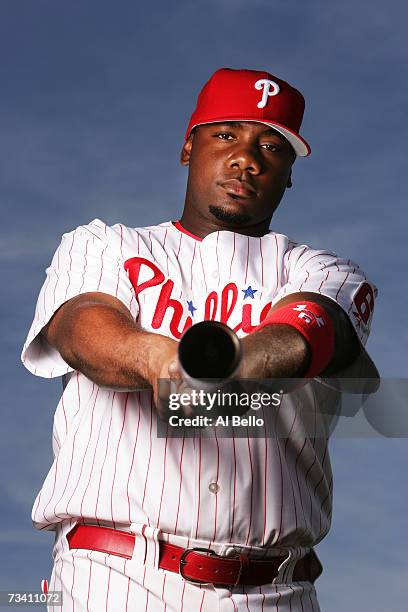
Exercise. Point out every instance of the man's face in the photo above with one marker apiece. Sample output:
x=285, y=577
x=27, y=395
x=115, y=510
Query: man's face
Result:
x=238, y=172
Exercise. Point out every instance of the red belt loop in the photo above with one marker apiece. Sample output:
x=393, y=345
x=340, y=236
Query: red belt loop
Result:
x=196, y=565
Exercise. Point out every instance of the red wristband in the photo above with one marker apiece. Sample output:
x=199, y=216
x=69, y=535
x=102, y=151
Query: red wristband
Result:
x=315, y=325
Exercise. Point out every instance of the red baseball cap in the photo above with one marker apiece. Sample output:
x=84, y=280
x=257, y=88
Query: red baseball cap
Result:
x=252, y=95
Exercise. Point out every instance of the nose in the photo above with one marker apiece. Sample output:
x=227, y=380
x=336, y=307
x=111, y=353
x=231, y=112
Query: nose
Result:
x=246, y=158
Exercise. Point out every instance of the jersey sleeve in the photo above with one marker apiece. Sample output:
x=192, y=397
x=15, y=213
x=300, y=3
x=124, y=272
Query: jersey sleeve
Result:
x=87, y=259
x=339, y=279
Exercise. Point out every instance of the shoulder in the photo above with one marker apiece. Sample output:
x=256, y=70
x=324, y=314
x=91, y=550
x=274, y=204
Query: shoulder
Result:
x=117, y=237
x=295, y=253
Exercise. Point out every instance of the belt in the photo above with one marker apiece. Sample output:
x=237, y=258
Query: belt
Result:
x=197, y=565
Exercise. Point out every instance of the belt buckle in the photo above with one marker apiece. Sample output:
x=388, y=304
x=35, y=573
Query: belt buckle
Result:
x=212, y=553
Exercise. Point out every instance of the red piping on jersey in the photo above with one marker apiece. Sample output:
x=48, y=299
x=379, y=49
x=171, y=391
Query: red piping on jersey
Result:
x=182, y=229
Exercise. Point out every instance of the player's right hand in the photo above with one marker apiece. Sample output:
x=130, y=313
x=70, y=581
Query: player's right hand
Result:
x=168, y=381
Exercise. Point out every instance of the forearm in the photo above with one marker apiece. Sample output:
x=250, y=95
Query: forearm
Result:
x=275, y=351
x=106, y=344
x=281, y=351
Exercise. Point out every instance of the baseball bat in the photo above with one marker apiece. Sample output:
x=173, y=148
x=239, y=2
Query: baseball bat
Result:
x=209, y=352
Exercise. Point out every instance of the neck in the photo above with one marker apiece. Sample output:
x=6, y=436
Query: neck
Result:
x=202, y=226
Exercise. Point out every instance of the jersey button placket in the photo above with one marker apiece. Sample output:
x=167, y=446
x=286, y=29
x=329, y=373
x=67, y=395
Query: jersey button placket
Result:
x=197, y=487
x=214, y=487
x=209, y=256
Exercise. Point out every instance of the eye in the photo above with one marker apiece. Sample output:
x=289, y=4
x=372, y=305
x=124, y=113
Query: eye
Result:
x=272, y=146
x=224, y=135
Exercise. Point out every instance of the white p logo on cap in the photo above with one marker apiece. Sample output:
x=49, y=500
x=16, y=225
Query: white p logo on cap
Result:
x=270, y=88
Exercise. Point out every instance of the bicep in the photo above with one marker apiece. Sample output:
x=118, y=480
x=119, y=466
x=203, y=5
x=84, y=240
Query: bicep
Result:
x=87, y=261
x=59, y=323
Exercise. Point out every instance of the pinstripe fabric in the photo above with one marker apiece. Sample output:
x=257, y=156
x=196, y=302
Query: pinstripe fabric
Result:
x=272, y=493
x=93, y=582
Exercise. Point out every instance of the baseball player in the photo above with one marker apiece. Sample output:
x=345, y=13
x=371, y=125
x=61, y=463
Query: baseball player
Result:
x=205, y=522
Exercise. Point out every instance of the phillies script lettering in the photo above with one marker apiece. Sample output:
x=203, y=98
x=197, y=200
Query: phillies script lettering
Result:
x=219, y=306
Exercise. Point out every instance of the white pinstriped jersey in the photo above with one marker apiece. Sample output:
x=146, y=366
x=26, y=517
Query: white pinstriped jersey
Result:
x=110, y=467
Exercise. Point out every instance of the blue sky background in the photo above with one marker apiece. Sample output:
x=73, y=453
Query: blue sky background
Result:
x=95, y=98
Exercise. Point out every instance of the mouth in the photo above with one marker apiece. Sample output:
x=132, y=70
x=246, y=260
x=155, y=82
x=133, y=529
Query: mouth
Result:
x=238, y=189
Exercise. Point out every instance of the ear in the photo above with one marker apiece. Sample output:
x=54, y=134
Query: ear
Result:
x=186, y=151
x=289, y=185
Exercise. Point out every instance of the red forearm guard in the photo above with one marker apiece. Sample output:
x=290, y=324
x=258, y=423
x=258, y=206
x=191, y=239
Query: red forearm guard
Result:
x=315, y=325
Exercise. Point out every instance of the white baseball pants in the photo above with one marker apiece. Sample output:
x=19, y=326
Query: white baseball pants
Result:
x=92, y=581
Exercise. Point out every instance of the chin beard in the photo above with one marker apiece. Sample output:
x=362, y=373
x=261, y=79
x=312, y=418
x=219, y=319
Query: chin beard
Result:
x=228, y=217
